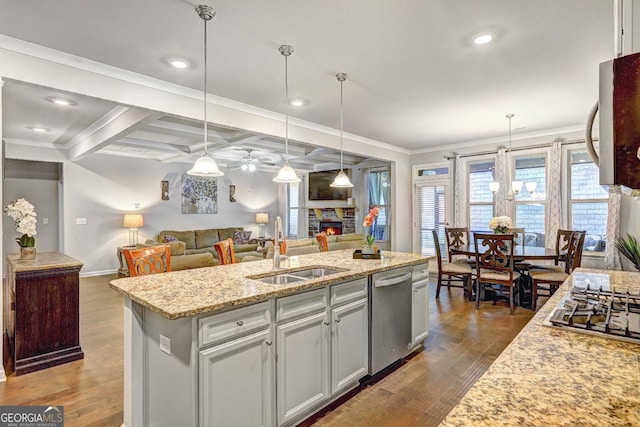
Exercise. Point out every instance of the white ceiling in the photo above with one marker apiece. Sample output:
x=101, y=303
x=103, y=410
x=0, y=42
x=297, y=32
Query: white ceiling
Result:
x=415, y=79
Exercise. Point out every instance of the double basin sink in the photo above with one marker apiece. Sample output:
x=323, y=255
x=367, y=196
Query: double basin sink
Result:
x=283, y=278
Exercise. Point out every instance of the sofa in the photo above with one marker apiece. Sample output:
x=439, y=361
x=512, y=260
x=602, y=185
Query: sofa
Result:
x=310, y=245
x=194, y=248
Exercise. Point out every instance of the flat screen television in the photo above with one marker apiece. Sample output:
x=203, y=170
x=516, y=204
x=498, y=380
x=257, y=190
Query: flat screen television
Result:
x=319, y=188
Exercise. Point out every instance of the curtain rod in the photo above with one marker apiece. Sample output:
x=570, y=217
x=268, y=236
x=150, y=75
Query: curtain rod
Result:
x=546, y=145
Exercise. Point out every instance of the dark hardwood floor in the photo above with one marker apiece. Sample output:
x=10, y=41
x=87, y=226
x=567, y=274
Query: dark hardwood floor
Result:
x=462, y=345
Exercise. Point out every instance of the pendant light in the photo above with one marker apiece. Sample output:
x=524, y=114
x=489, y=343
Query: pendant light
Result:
x=286, y=173
x=341, y=180
x=205, y=165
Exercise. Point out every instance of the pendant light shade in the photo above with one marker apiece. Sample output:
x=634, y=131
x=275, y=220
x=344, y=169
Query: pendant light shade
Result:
x=341, y=180
x=205, y=166
x=286, y=173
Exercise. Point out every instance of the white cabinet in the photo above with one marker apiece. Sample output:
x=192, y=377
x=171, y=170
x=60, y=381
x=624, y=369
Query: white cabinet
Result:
x=236, y=367
x=420, y=305
x=302, y=366
x=349, y=345
x=236, y=382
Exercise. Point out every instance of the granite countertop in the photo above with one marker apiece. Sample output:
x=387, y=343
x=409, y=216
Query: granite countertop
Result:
x=548, y=376
x=42, y=261
x=200, y=290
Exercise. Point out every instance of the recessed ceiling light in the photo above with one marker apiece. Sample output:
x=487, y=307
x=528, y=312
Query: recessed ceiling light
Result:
x=179, y=63
x=61, y=101
x=297, y=102
x=38, y=129
x=483, y=37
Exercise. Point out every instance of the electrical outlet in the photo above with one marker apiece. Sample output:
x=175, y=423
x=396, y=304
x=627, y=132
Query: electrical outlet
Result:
x=165, y=344
x=81, y=221
x=45, y=221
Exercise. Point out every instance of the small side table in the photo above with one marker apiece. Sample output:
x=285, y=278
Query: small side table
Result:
x=123, y=271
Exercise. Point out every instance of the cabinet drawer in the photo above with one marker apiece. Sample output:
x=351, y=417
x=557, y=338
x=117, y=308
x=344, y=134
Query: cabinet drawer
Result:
x=350, y=291
x=420, y=272
x=306, y=303
x=223, y=326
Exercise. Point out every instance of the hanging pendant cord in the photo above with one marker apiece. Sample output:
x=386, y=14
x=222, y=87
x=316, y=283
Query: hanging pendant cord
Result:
x=341, y=123
x=205, y=87
x=286, y=110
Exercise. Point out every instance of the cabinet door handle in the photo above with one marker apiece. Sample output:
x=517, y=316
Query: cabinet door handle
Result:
x=268, y=342
x=239, y=323
x=338, y=320
x=326, y=323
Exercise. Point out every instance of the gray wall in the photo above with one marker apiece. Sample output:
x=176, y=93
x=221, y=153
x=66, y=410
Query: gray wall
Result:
x=103, y=188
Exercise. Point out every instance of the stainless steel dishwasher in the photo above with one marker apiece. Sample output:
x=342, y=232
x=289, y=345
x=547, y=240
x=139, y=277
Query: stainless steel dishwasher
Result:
x=390, y=318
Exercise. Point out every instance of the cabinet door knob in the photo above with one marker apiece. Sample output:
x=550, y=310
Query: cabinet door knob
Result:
x=268, y=342
x=338, y=320
x=415, y=291
x=326, y=323
x=240, y=323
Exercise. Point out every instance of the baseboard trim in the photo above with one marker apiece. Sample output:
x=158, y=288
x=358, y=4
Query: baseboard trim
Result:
x=98, y=273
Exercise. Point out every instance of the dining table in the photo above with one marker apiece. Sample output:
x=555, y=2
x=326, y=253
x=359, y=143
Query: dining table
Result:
x=520, y=254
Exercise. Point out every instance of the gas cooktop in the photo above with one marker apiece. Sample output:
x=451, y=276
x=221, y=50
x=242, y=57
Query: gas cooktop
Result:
x=597, y=310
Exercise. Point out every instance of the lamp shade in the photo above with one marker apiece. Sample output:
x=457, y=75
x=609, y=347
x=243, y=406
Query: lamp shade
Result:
x=286, y=175
x=494, y=186
x=205, y=166
x=341, y=181
x=133, y=221
x=262, y=218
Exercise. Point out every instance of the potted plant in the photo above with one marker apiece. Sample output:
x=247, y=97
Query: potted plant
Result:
x=628, y=246
x=24, y=214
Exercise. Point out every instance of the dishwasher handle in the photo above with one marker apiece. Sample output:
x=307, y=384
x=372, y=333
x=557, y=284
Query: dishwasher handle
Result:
x=391, y=280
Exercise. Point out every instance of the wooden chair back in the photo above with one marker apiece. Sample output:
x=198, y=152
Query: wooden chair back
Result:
x=225, y=251
x=574, y=251
x=456, y=237
x=563, y=238
x=495, y=252
x=436, y=243
x=322, y=242
x=151, y=260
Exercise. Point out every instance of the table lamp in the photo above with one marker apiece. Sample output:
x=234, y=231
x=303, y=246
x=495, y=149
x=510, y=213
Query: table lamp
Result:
x=262, y=218
x=132, y=222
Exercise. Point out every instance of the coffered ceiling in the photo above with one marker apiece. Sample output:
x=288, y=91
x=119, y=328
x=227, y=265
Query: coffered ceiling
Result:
x=416, y=80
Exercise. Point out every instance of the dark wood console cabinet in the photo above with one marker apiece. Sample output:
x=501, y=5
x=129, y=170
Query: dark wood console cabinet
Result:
x=42, y=311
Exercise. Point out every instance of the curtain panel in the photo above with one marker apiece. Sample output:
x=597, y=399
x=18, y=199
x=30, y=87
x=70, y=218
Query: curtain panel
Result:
x=461, y=192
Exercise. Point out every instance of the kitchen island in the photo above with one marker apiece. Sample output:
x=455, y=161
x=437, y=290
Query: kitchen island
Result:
x=207, y=346
x=557, y=377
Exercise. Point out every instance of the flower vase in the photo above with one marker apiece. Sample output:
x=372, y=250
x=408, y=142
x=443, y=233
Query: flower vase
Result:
x=27, y=252
x=368, y=249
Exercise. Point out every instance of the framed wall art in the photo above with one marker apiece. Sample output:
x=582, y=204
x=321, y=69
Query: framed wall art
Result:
x=199, y=195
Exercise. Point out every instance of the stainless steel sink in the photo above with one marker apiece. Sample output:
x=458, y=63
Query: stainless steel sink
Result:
x=280, y=279
x=312, y=273
x=296, y=276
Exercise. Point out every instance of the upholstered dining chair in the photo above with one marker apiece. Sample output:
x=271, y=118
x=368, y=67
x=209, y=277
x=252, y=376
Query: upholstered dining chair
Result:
x=563, y=237
x=553, y=278
x=322, y=242
x=519, y=239
x=459, y=271
x=225, y=251
x=494, y=266
x=150, y=260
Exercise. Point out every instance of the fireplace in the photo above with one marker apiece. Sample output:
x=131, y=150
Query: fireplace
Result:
x=331, y=227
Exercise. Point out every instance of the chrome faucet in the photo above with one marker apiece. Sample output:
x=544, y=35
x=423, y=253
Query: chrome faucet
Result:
x=278, y=237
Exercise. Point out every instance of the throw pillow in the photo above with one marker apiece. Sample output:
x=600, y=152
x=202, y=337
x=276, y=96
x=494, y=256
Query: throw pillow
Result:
x=168, y=239
x=241, y=237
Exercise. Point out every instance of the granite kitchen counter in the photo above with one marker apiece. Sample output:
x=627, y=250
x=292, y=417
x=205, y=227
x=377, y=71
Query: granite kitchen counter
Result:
x=186, y=293
x=553, y=377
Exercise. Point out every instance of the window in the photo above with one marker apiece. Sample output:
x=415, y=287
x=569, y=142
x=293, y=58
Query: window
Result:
x=293, y=209
x=588, y=202
x=379, y=185
x=480, y=197
x=432, y=214
x=530, y=207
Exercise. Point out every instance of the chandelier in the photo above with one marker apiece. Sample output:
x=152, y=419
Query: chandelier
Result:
x=516, y=186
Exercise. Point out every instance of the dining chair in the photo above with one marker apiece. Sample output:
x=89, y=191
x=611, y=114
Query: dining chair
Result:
x=563, y=237
x=554, y=278
x=323, y=244
x=494, y=266
x=456, y=237
x=225, y=251
x=149, y=260
x=457, y=271
x=519, y=240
